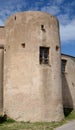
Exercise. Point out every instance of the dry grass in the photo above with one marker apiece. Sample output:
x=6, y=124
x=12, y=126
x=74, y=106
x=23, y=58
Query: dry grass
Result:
x=13, y=125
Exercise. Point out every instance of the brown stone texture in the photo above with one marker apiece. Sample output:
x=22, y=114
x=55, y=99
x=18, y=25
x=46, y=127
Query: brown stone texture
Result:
x=68, y=82
x=1, y=80
x=32, y=91
x=2, y=36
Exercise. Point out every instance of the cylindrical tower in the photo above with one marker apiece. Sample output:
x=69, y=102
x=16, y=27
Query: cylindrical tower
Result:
x=32, y=81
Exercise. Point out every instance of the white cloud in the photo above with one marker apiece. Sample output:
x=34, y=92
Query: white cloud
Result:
x=58, y=2
x=10, y=7
x=1, y=23
x=64, y=19
x=67, y=32
x=67, y=22
x=51, y=9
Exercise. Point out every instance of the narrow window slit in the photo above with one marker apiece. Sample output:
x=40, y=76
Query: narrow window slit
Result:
x=23, y=45
x=15, y=17
x=63, y=65
x=42, y=28
x=57, y=48
x=5, y=50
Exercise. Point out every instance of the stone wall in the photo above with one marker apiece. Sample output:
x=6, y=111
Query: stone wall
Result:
x=2, y=36
x=68, y=80
x=32, y=91
x=2, y=42
x=1, y=80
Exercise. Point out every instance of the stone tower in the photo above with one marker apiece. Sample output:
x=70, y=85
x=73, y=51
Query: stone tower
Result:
x=32, y=68
x=2, y=41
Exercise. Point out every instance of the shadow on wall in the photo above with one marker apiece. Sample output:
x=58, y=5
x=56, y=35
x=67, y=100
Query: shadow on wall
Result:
x=67, y=97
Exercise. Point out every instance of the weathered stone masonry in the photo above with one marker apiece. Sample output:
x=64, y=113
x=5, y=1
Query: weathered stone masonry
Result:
x=30, y=69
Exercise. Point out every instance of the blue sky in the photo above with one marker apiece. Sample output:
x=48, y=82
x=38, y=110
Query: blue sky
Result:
x=64, y=10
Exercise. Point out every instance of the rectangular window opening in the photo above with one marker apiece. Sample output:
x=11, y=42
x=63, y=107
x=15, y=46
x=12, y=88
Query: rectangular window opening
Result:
x=44, y=55
x=63, y=65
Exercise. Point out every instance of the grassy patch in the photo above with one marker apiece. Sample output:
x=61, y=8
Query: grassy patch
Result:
x=13, y=125
x=71, y=116
x=29, y=126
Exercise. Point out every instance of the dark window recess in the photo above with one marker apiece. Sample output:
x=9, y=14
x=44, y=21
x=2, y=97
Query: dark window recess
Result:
x=15, y=17
x=63, y=65
x=57, y=48
x=73, y=84
x=5, y=50
x=42, y=28
x=44, y=55
x=23, y=45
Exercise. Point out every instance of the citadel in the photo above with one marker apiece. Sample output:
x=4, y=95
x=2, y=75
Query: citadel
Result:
x=36, y=81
